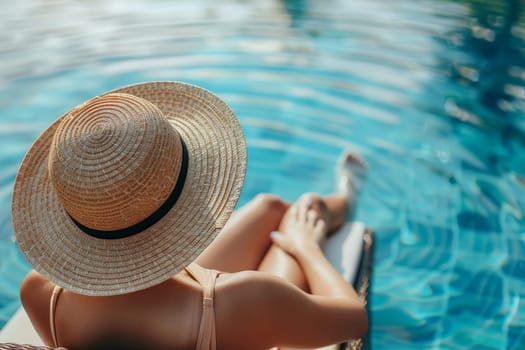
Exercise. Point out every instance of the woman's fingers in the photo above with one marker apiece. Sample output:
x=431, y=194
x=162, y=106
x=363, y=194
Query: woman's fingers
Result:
x=302, y=213
x=321, y=228
x=312, y=217
x=281, y=241
x=293, y=211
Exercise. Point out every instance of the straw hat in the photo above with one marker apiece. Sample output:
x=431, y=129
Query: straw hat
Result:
x=125, y=190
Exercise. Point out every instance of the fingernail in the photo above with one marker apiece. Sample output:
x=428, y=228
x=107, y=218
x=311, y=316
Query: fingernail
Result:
x=309, y=202
x=274, y=234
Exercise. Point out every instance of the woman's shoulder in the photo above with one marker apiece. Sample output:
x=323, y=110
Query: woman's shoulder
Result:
x=35, y=295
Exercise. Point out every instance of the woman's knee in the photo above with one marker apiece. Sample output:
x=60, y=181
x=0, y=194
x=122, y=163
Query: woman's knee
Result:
x=310, y=198
x=270, y=202
x=314, y=201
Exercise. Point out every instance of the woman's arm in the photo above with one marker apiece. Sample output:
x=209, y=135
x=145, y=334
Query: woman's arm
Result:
x=261, y=311
x=328, y=284
x=322, y=277
x=287, y=316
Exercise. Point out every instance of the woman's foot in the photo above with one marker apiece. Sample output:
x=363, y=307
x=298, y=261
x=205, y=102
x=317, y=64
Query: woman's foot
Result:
x=351, y=174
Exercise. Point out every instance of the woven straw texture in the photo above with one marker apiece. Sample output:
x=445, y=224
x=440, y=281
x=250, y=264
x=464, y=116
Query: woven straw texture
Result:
x=108, y=156
x=110, y=162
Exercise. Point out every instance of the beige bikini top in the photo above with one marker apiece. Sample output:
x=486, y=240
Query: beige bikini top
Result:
x=206, y=278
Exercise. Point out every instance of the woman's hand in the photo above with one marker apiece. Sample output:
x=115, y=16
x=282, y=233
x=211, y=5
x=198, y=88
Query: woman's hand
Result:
x=304, y=230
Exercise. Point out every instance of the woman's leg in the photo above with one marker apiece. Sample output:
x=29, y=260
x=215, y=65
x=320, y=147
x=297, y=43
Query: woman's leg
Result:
x=334, y=209
x=245, y=238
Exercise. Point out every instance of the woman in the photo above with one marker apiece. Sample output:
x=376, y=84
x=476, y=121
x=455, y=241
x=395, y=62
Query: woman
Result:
x=122, y=207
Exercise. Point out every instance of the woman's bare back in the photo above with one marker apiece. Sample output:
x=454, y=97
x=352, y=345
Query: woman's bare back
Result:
x=164, y=316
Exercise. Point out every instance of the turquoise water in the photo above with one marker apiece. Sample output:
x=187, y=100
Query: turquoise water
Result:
x=431, y=93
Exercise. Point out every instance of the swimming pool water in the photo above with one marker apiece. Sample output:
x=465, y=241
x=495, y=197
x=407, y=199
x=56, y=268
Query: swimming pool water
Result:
x=431, y=93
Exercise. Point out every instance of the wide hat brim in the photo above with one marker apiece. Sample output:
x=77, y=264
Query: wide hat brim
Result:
x=58, y=249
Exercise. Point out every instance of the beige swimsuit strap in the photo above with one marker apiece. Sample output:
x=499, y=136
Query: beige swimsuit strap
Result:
x=52, y=308
x=206, y=339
